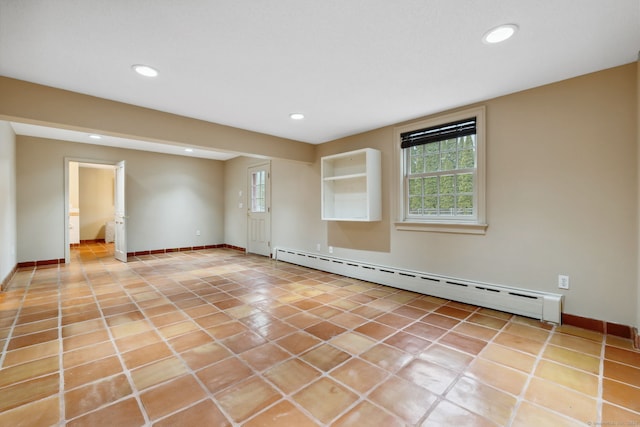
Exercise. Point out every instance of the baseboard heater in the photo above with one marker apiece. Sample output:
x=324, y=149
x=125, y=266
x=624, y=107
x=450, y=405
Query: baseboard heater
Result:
x=538, y=305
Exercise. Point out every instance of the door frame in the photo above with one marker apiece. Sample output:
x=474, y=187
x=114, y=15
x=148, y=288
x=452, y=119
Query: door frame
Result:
x=67, y=160
x=267, y=166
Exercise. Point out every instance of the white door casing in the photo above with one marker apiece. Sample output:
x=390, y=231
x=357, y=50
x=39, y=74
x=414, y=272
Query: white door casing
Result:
x=120, y=245
x=259, y=209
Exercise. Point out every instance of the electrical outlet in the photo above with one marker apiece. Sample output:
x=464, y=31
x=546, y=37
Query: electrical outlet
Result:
x=563, y=281
x=330, y=249
x=197, y=232
x=318, y=247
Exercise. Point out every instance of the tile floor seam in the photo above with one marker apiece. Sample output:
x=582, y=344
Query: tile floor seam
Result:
x=414, y=357
x=14, y=323
x=175, y=353
x=600, y=393
x=362, y=396
x=195, y=376
x=443, y=396
x=118, y=353
x=323, y=374
x=521, y=397
x=61, y=403
x=540, y=357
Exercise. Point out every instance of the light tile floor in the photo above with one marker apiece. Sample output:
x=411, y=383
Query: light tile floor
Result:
x=219, y=338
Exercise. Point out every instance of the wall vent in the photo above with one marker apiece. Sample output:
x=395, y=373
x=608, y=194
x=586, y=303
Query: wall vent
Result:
x=538, y=305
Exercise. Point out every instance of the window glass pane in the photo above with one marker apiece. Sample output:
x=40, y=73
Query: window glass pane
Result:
x=415, y=205
x=466, y=159
x=467, y=142
x=430, y=205
x=258, y=202
x=432, y=163
x=448, y=160
x=447, y=184
x=431, y=185
x=465, y=183
x=465, y=205
x=446, y=205
x=417, y=150
x=449, y=145
x=415, y=187
x=432, y=147
x=417, y=164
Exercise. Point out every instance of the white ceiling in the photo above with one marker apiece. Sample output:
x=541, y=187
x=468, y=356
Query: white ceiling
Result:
x=348, y=65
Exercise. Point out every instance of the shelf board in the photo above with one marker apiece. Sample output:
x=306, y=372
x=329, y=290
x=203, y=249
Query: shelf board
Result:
x=354, y=219
x=351, y=176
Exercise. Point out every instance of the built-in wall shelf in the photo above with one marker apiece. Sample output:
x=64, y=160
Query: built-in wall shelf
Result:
x=351, y=186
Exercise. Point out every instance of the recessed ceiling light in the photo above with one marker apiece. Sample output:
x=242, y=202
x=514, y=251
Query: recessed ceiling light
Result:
x=296, y=116
x=500, y=33
x=145, y=70
x=94, y=136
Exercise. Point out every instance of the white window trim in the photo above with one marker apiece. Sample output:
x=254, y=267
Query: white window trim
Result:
x=476, y=226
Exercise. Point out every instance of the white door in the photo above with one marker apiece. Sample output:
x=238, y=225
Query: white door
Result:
x=259, y=210
x=120, y=250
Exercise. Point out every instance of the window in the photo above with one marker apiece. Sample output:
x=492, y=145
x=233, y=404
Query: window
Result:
x=442, y=180
x=258, y=200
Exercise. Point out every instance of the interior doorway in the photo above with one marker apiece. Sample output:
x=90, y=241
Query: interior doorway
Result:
x=92, y=203
x=259, y=209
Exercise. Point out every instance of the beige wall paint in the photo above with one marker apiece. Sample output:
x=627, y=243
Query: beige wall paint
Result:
x=8, y=238
x=235, y=200
x=32, y=103
x=638, y=175
x=168, y=197
x=74, y=185
x=562, y=198
x=295, y=198
x=96, y=192
x=295, y=213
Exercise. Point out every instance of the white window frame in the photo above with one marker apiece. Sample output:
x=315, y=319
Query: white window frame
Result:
x=474, y=225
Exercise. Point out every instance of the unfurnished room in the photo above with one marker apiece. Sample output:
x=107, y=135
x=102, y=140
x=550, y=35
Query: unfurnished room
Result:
x=319, y=213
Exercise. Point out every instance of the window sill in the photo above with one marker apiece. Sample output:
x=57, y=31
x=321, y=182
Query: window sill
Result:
x=442, y=227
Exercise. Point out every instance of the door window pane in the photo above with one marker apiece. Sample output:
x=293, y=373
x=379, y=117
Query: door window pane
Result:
x=258, y=180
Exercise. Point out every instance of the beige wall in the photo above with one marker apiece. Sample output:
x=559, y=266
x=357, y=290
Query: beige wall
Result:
x=295, y=213
x=74, y=185
x=96, y=192
x=32, y=103
x=168, y=197
x=8, y=237
x=562, y=195
x=638, y=175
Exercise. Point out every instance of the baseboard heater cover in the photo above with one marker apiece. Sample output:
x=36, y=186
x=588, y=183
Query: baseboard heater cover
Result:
x=535, y=304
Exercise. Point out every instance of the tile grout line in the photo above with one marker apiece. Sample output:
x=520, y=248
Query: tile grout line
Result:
x=323, y=374
x=211, y=395
x=521, y=397
x=12, y=328
x=125, y=371
x=61, y=403
x=600, y=395
x=440, y=397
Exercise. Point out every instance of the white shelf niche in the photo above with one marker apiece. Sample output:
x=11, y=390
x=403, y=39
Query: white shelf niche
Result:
x=351, y=186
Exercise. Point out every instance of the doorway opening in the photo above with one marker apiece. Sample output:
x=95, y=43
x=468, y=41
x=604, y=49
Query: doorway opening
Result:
x=92, y=200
